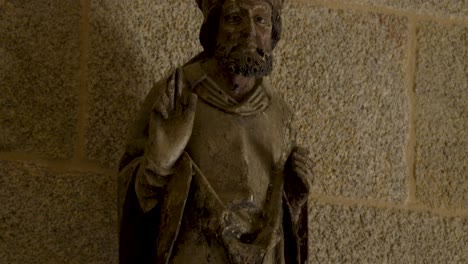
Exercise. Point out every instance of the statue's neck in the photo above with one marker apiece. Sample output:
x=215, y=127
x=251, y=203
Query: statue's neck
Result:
x=237, y=86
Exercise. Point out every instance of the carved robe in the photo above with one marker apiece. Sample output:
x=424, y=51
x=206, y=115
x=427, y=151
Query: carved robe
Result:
x=233, y=197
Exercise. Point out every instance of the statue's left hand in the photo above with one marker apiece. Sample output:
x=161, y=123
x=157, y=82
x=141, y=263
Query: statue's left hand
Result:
x=301, y=163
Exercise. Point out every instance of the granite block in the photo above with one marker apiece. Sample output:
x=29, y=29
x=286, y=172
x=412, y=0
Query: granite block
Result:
x=56, y=217
x=449, y=8
x=133, y=44
x=343, y=73
x=342, y=234
x=39, y=76
x=442, y=116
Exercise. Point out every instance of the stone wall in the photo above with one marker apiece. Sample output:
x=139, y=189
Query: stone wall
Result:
x=380, y=90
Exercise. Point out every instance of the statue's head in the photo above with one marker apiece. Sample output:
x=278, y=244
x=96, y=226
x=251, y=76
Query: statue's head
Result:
x=241, y=34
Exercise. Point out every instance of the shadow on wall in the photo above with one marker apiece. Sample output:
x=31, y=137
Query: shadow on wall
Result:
x=132, y=45
x=39, y=77
x=61, y=214
x=49, y=213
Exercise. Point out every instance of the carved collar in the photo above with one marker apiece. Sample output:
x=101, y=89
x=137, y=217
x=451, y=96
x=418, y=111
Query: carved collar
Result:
x=206, y=89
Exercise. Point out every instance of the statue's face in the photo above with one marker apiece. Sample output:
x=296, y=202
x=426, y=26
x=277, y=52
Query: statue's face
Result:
x=243, y=43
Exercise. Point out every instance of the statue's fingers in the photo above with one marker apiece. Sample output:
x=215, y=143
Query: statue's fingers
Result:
x=301, y=168
x=170, y=94
x=304, y=155
x=298, y=166
x=296, y=160
x=303, y=161
x=302, y=171
x=192, y=102
x=307, y=164
x=160, y=107
x=188, y=114
x=302, y=151
x=301, y=157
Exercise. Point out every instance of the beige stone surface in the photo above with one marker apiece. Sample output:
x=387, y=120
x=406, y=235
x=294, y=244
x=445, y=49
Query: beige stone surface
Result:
x=39, y=77
x=132, y=45
x=56, y=217
x=448, y=8
x=342, y=234
x=343, y=73
x=442, y=116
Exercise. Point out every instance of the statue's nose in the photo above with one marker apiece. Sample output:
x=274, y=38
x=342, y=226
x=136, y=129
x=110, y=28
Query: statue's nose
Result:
x=249, y=30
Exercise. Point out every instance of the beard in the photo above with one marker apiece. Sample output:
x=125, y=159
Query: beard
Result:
x=242, y=61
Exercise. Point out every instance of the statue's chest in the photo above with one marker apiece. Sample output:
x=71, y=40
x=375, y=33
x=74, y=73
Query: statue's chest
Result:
x=238, y=154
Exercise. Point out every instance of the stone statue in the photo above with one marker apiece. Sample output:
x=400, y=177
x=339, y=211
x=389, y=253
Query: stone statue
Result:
x=211, y=172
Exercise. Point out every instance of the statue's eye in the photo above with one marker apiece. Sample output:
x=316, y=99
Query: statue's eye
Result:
x=260, y=20
x=232, y=19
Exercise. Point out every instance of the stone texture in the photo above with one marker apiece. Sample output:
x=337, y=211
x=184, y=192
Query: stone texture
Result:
x=449, y=8
x=39, y=76
x=442, y=116
x=132, y=45
x=343, y=73
x=56, y=217
x=341, y=234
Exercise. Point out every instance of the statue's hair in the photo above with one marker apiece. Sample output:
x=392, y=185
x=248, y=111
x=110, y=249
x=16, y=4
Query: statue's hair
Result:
x=209, y=29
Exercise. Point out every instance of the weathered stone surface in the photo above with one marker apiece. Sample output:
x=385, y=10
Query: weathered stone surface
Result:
x=132, y=45
x=343, y=73
x=39, y=76
x=442, y=116
x=341, y=234
x=450, y=8
x=56, y=217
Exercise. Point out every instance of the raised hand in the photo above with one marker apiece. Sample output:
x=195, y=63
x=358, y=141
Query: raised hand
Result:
x=170, y=127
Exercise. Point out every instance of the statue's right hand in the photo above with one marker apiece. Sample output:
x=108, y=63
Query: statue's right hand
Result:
x=170, y=128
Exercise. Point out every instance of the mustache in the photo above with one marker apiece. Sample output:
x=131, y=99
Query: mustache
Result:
x=246, y=63
x=225, y=49
x=240, y=48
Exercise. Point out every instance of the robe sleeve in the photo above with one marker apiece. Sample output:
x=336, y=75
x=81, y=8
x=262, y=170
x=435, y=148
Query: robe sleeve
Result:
x=133, y=160
x=142, y=186
x=137, y=229
x=138, y=160
x=140, y=237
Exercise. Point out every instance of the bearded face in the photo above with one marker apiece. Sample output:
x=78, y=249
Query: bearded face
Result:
x=243, y=44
